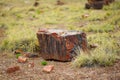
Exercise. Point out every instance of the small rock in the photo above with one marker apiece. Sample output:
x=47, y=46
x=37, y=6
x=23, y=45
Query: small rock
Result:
x=93, y=46
x=36, y=4
x=33, y=55
x=13, y=69
x=60, y=2
x=18, y=51
x=31, y=65
x=48, y=68
x=30, y=55
x=22, y=59
x=85, y=16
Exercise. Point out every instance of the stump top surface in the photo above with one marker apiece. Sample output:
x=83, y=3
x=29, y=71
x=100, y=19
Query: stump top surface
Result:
x=59, y=32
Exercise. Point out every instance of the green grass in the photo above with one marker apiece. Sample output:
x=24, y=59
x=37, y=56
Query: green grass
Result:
x=44, y=63
x=105, y=54
x=17, y=55
x=21, y=20
x=95, y=59
x=19, y=38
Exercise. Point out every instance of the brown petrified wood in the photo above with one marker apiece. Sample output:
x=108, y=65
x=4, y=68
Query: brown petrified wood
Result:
x=13, y=69
x=59, y=2
x=97, y=4
x=61, y=45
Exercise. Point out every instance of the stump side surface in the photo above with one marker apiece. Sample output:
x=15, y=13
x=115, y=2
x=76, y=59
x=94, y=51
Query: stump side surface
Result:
x=60, y=44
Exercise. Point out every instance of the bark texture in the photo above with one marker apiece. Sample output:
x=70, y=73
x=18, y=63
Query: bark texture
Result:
x=61, y=45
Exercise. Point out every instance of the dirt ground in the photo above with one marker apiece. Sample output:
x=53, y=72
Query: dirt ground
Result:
x=61, y=71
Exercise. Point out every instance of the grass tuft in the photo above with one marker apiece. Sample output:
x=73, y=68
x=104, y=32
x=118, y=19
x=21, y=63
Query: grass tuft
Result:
x=44, y=63
x=98, y=57
x=106, y=53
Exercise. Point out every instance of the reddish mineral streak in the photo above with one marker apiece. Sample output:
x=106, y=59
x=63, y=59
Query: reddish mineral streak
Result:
x=60, y=44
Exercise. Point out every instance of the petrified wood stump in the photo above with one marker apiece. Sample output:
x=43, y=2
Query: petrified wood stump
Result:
x=97, y=4
x=61, y=45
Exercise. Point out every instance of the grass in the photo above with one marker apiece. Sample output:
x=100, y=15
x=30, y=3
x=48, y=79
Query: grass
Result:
x=19, y=39
x=17, y=55
x=21, y=20
x=104, y=55
x=95, y=59
x=44, y=63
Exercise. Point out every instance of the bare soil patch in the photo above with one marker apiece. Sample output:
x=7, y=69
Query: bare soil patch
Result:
x=61, y=71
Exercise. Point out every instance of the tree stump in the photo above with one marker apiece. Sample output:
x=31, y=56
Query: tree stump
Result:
x=97, y=4
x=61, y=45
